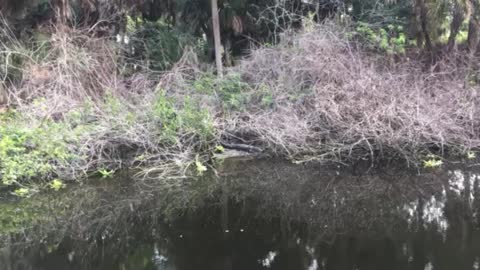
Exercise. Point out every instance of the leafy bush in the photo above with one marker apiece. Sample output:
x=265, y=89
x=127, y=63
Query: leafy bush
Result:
x=30, y=153
x=189, y=119
x=164, y=113
x=196, y=120
x=390, y=39
x=231, y=90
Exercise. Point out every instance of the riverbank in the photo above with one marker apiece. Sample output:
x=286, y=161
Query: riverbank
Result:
x=317, y=96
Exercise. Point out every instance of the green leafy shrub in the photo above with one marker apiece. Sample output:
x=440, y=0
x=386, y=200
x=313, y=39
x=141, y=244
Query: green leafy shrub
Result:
x=164, y=115
x=189, y=118
x=31, y=153
x=391, y=39
x=104, y=173
x=197, y=120
x=56, y=184
x=206, y=84
x=231, y=90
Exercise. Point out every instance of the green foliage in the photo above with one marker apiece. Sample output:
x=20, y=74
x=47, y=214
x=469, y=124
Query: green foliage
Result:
x=112, y=104
x=174, y=120
x=267, y=100
x=22, y=192
x=391, y=39
x=164, y=114
x=231, y=90
x=439, y=16
x=219, y=149
x=234, y=94
x=57, y=184
x=104, y=173
x=194, y=119
x=206, y=84
x=30, y=153
x=200, y=168
x=265, y=96
x=35, y=152
x=462, y=37
x=157, y=43
x=432, y=161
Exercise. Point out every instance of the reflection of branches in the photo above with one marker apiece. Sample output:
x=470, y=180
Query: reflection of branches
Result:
x=328, y=200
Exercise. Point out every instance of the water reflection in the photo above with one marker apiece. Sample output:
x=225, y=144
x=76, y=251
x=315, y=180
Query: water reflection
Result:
x=271, y=215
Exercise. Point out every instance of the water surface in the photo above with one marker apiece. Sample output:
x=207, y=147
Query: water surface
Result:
x=261, y=215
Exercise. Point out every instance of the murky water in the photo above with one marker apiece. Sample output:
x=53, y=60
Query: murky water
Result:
x=264, y=215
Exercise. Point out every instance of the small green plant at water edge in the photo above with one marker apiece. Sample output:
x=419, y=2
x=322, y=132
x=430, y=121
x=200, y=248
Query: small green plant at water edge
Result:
x=199, y=166
x=57, y=184
x=432, y=162
x=219, y=149
x=104, y=173
x=22, y=192
x=471, y=155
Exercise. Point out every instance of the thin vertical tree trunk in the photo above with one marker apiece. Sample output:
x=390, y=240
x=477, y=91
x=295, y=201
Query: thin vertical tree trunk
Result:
x=423, y=24
x=474, y=26
x=217, y=38
x=458, y=17
x=3, y=96
x=61, y=10
x=227, y=51
x=473, y=38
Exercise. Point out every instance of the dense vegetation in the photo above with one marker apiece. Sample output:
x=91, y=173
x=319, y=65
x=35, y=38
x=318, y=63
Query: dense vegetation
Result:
x=88, y=87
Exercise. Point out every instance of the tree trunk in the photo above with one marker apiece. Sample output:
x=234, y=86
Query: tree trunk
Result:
x=217, y=38
x=424, y=24
x=62, y=10
x=474, y=26
x=228, y=52
x=421, y=25
x=473, y=38
x=3, y=96
x=458, y=17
